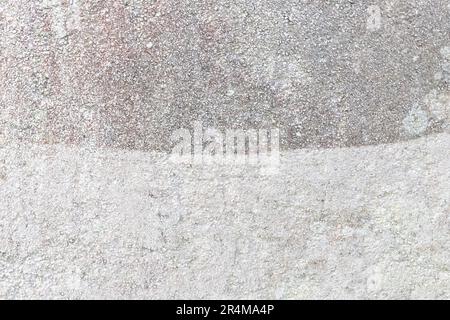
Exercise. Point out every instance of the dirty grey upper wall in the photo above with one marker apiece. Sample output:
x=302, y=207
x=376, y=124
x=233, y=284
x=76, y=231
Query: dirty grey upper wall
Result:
x=126, y=74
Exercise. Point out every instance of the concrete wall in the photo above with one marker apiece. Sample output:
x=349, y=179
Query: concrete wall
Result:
x=91, y=205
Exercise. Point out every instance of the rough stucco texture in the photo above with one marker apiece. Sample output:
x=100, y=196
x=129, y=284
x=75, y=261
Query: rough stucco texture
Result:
x=92, y=207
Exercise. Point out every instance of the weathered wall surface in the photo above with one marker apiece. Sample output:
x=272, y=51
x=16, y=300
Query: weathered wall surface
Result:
x=368, y=222
x=127, y=73
x=92, y=207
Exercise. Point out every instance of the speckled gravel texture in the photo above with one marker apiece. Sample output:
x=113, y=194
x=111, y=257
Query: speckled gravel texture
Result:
x=92, y=207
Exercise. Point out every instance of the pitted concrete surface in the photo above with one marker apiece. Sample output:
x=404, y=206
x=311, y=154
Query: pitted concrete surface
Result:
x=368, y=222
x=91, y=206
x=128, y=73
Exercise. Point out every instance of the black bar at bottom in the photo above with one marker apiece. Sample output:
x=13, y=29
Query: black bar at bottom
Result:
x=223, y=309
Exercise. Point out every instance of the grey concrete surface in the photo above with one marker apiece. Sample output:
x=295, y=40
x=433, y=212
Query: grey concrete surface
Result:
x=92, y=207
x=367, y=222
x=127, y=73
